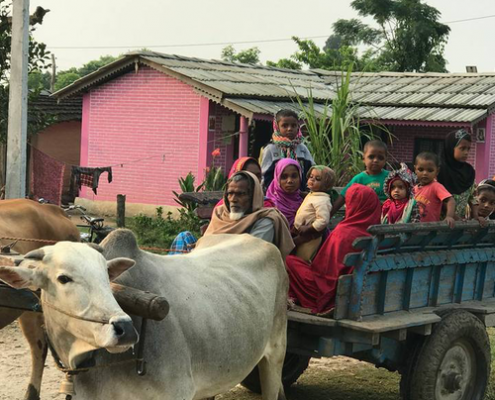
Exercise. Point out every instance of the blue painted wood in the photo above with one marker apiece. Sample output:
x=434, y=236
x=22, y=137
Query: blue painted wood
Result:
x=408, y=289
x=369, y=299
x=434, y=286
x=446, y=284
x=469, y=287
x=489, y=288
x=386, y=262
x=381, y=294
x=480, y=281
x=395, y=290
x=358, y=279
x=459, y=283
x=420, y=288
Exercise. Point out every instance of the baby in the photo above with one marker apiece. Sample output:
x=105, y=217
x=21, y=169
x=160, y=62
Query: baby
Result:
x=313, y=215
x=400, y=207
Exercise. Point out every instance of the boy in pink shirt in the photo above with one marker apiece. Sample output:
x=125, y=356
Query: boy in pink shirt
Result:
x=431, y=195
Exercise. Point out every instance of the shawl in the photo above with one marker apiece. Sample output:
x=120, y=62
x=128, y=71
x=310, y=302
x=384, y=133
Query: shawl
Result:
x=287, y=203
x=287, y=147
x=394, y=210
x=221, y=222
x=239, y=165
x=456, y=176
x=315, y=285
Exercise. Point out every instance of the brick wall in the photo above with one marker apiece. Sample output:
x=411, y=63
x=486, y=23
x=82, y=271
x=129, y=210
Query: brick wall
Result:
x=402, y=147
x=143, y=115
x=217, y=139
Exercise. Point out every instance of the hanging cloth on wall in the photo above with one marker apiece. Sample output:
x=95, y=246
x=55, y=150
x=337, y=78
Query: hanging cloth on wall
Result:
x=85, y=176
x=47, y=178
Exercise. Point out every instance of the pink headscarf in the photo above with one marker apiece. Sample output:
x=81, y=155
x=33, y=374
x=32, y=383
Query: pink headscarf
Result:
x=287, y=203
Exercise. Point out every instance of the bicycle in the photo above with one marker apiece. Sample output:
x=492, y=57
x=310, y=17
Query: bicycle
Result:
x=96, y=228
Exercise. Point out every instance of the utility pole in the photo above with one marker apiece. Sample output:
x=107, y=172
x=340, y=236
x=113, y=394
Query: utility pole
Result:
x=18, y=94
x=54, y=74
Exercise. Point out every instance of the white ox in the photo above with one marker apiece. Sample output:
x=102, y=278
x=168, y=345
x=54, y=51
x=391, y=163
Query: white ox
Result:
x=227, y=315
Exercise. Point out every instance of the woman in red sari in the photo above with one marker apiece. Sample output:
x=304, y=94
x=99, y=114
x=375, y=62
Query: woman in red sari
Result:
x=314, y=285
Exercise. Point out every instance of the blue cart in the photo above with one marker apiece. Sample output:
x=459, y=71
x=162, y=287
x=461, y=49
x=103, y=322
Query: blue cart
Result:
x=418, y=302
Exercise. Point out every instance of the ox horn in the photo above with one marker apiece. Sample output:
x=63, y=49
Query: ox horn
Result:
x=35, y=255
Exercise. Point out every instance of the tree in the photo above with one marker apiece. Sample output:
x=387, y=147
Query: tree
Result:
x=248, y=56
x=337, y=55
x=65, y=78
x=38, y=62
x=410, y=36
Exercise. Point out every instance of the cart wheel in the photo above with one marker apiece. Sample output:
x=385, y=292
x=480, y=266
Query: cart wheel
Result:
x=294, y=366
x=453, y=363
x=411, y=358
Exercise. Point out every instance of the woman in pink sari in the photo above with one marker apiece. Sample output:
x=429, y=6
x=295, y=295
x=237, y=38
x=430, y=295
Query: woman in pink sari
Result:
x=313, y=285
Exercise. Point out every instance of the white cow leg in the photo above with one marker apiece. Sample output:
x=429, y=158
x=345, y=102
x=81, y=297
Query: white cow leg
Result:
x=270, y=368
x=31, y=325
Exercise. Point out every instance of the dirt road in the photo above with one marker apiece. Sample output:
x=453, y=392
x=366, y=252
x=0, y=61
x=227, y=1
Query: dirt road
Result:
x=335, y=379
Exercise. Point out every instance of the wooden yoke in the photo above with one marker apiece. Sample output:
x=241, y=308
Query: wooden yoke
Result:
x=132, y=301
x=138, y=302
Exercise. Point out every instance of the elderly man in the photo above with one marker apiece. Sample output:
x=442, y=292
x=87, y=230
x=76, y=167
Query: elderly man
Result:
x=243, y=212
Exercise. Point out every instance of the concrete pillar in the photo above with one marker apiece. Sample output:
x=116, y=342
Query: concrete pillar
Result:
x=243, y=137
x=17, y=130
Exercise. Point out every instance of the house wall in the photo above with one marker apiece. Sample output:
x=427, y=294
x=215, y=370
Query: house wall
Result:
x=146, y=125
x=402, y=146
x=62, y=142
x=226, y=141
x=490, y=146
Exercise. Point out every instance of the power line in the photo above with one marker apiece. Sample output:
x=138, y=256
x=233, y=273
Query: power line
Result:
x=184, y=45
x=225, y=43
x=469, y=19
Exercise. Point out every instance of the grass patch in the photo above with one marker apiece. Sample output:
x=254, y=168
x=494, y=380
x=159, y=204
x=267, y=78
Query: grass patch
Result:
x=160, y=231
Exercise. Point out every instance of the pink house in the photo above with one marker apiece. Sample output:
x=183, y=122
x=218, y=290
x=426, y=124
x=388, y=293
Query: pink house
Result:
x=156, y=117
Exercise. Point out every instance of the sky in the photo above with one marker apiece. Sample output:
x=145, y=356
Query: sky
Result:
x=83, y=30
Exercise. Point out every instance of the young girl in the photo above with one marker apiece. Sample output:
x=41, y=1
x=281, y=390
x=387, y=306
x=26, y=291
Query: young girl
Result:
x=286, y=143
x=456, y=174
x=400, y=207
x=284, y=190
x=430, y=194
x=313, y=215
x=485, y=200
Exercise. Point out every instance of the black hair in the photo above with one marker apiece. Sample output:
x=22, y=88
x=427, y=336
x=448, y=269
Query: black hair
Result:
x=462, y=134
x=427, y=156
x=375, y=143
x=285, y=112
x=486, y=184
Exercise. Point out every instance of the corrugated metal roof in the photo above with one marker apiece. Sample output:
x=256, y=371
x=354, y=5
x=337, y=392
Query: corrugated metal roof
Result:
x=391, y=95
x=427, y=114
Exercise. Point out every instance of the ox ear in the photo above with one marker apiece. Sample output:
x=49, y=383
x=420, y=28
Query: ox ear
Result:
x=21, y=277
x=118, y=266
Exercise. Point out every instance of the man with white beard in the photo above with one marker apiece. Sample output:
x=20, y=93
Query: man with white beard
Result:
x=243, y=212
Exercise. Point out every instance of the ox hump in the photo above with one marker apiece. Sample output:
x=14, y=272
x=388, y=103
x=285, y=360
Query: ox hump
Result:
x=120, y=243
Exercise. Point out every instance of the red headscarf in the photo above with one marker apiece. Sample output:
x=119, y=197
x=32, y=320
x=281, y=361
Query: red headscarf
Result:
x=314, y=285
x=238, y=166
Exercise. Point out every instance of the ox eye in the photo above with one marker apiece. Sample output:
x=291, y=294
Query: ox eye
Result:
x=63, y=279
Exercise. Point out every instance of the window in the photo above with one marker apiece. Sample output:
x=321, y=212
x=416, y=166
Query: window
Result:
x=431, y=145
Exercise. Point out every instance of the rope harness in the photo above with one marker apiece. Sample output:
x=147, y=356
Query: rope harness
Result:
x=46, y=241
